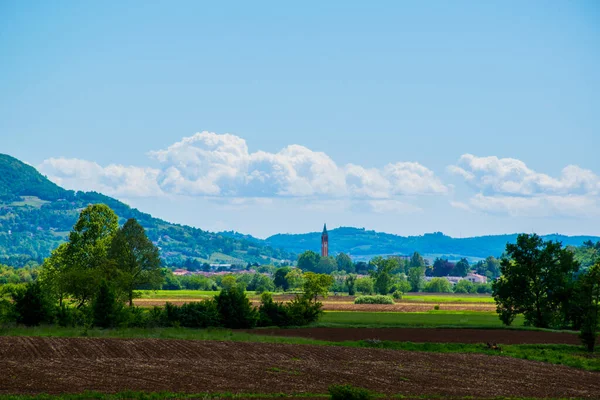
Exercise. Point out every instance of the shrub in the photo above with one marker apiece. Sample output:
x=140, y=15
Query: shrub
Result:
x=31, y=305
x=377, y=299
x=436, y=307
x=105, y=307
x=201, y=314
x=438, y=285
x=69, y=316
x=303, y=311
x=271, y=313
x=397, y=295
x=349, y=392
x=235, y=309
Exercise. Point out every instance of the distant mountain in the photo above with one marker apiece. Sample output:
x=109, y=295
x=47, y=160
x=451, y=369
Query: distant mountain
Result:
x=36, y=215
x=363, y=244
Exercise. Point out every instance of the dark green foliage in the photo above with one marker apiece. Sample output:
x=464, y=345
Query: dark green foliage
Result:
x=308, y=261
x=105, y=307
x=351, y=284
x=344, y=263
x=19, y=179
x=538, y=281
x=272, y=313
x=589, y=306
x=303, y=311
x=279, y=278
x=31, y=305
x=349, y=392
x=461, y=268
x=235, y=309
x=201, y=314
x=383, y=273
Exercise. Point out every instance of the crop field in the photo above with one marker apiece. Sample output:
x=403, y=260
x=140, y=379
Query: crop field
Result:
x=415, y=319
x=33, y=365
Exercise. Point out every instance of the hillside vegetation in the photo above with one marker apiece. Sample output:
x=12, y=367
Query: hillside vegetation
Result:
x=36, y=216
x=361, y=243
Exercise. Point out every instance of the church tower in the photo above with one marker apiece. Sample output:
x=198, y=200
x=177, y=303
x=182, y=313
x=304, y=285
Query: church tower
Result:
x=324, y=242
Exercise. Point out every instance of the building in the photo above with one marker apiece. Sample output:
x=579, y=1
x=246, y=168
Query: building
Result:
x=476, y=278
x=324, y=242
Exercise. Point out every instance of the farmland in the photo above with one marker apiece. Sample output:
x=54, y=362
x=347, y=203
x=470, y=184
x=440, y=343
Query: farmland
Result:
x=72, y=365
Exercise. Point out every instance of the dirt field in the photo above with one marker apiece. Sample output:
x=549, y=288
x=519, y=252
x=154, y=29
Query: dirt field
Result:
x=339, y=305
x=68, y=365
x=427, y=335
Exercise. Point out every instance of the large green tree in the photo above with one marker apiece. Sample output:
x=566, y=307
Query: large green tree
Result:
x=344, y=263
x=383, y=273
x=589, y=306
x=316, y=284
x=86, y=253
x=537, y=280
x=135, y=258
x=462, y=267
x=308, y=261
x=416, y=278
x=279, y=278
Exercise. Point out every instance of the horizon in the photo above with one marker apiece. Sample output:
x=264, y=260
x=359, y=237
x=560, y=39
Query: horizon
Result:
x=473, y=119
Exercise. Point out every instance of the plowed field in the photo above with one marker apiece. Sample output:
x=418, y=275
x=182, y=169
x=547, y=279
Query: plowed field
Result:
x=427, y=335
x=67, y=365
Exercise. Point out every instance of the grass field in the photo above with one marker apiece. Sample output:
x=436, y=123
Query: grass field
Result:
x=463, y=319
x=448, y=298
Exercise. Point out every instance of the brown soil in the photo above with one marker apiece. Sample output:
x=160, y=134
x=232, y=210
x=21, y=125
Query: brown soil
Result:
x=427, y=335
x=339, y=305
x=71, y=365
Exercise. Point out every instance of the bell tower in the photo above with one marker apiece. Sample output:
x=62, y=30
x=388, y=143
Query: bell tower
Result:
x=324, y=242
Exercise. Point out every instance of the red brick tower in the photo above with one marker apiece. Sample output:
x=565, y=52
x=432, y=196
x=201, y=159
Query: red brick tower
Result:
x=324, y=242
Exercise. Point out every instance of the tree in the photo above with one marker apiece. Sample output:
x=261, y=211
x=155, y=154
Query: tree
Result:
x=105, y=306
x=229, y=282
x=461, y=268
x=416, y=261
x=316, y=284
x=87, y=250
x=464, y=286
x=383, y=273
x=351, y=283
x=308, y=260
x=326, y=265
x=344, y=263
x=261, y=283
x=537, y=280
x=31, y=305
x=438, y=285
x=135, y=258
x=364, y=285
x=361, y=267
x=416, y=278
x=235, y=309
x=52, y=274
x=442, y=267
x=295, y=278
x=279, y=278
x=590, y=306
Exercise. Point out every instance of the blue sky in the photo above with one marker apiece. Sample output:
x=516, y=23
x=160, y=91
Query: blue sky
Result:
x=465, y=117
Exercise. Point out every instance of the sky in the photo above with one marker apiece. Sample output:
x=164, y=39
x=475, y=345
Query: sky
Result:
x=465, y=117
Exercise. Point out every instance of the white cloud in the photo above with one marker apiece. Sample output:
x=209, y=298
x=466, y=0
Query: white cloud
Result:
x=221, y=166
x=114, y=180
x=508, y=186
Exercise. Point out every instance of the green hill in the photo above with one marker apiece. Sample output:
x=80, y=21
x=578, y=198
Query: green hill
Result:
x=364, y=244
x=36, y=215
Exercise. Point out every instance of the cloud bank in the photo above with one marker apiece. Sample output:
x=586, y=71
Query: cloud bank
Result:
x=220, y=166
x=508, y=186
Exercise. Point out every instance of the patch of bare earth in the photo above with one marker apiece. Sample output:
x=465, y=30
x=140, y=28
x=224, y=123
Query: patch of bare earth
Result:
x=427, y=335
x=71, y=365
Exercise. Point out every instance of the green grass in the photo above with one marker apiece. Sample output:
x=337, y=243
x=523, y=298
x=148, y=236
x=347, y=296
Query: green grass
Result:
x=448, y=298
x=187, y=294
x=443, y=318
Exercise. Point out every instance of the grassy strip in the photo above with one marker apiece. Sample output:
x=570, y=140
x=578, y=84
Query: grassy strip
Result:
x=572, y=356
x=429, y=319
x=448, y=298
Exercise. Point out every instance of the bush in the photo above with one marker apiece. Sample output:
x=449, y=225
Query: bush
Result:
x=303, y=311
x=377, y=299
x=235, y=309
x=271, y=313
x=438, y=285
x=30, y=305
x=105, y=307
x=349, y=392
x=397, y=295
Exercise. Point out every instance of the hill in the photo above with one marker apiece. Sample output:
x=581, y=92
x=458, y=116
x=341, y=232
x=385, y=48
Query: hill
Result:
x=362, y=244
x=36, y=215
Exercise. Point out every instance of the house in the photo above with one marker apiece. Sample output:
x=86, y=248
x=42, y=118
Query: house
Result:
x=476, y=278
